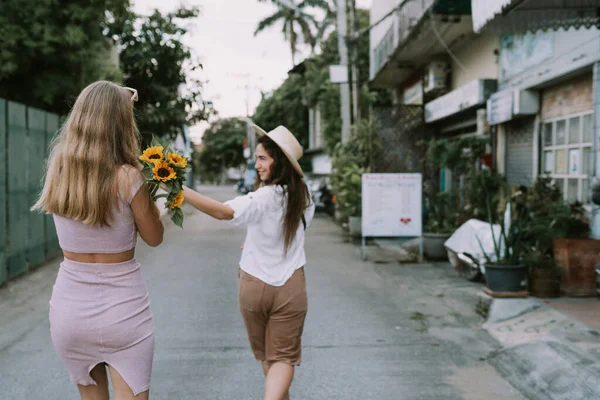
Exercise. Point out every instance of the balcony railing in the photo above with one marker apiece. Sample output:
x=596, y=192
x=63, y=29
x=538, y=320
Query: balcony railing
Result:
x=409, y=16
x=383, y=50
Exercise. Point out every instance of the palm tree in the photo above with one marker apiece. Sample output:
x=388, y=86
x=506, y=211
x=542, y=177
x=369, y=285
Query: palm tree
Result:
x=296, y=23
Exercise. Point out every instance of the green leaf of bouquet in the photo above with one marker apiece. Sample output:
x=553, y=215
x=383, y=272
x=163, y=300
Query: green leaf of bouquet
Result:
x=155, y=141
x=177, y=186
x=147, y=172
x=177, y=217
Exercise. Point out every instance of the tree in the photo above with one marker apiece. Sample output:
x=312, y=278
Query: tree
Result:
x=327, y=6
x=285, y=106
x=155, y=61
x=51, y=49
x=223, y=147
x=293, y=21
x=318, y=90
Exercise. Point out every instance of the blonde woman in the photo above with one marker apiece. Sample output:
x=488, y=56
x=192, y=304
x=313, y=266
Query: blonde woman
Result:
x=100, y=314
x=272, y=287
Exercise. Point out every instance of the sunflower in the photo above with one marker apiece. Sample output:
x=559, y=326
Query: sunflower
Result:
x=162, y=172
x=177, y=200
x=153, y=155
x=177, y=160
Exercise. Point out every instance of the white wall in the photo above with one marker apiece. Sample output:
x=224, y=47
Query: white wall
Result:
x=478, y=57
x=321, y=164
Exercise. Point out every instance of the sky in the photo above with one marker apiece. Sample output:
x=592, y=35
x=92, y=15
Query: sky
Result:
x=222, y=37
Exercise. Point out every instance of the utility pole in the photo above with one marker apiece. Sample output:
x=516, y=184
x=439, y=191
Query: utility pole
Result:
x=250, y=134
x=354, y=61
x=342, y=31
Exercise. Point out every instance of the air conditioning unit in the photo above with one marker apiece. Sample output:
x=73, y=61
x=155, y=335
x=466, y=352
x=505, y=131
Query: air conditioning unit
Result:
x=436, y=76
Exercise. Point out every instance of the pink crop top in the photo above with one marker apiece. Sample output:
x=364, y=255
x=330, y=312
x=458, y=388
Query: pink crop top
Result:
x=121, y=235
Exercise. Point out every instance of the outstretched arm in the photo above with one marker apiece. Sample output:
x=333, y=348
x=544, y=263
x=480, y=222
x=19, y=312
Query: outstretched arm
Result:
x=207, y=205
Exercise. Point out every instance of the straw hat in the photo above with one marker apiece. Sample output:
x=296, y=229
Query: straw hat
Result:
x=286, y=142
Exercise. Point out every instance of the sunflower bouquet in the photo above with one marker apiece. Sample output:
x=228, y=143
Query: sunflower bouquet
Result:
x=162, y=166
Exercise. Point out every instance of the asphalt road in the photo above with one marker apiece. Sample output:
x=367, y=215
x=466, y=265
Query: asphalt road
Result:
x=373, y=331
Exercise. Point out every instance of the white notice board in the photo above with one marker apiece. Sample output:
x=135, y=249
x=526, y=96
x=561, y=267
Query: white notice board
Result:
x=392, y=205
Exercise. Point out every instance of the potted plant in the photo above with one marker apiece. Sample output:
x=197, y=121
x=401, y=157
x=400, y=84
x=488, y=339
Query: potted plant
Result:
x=439, y=214
x=348, y=188
x=545, y=219
x=504, y=270
x=577, y=255
x=439, y=225
x=442, y=216
x=350, y=161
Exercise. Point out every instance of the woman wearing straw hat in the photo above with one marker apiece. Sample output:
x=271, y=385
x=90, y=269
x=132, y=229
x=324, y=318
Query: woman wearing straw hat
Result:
x=272, y=288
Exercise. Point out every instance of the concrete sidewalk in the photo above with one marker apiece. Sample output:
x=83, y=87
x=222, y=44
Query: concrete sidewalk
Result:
x=549, y=352
x=549, y=349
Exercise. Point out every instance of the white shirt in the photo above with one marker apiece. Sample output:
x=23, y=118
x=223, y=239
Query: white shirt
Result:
x=263, y=254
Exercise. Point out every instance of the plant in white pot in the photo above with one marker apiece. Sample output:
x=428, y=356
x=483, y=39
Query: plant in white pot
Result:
x=350, y=161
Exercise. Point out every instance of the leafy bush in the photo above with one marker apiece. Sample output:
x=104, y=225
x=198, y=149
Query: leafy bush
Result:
x=548, y=217
x=350, y=161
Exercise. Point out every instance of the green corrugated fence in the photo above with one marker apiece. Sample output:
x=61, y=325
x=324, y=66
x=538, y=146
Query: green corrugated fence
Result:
x=26, y=239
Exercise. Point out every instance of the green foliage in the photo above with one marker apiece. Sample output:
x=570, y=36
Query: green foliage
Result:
x=509, y=245
x=155, y=61
x=318, y=90
x=350, y=161
x=483, y=185
x=548, y=217
x=538, y=217
x=462, y=157
x=297, y=25
x=441, y=213
x=285, y=107
x=52, y=49
x=223, y=147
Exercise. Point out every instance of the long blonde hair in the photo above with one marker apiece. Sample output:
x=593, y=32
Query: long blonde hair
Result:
x=98, y=138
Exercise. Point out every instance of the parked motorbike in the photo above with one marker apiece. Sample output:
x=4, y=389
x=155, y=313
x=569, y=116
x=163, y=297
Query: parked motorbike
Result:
x=322, y=196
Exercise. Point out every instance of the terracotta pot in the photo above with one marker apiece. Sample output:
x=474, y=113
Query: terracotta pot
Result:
x=577, y=259
x=544, y=282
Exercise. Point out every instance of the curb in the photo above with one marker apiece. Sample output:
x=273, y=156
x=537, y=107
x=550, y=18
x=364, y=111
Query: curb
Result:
x=546, y=354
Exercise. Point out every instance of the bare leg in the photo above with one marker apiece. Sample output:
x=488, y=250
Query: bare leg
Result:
x=122, y=389
x=278, y=379
x=99, y=392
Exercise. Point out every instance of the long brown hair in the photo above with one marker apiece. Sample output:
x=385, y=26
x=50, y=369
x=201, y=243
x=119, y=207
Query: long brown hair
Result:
x=294, y=189
x=98, y=138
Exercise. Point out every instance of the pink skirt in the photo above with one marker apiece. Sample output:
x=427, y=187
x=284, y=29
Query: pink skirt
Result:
x=100, y=313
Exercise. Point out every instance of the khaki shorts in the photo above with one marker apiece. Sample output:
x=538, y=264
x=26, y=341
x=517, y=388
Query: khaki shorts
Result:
x=274, y=316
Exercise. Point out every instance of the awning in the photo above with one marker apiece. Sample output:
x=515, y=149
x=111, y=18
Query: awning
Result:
x=465, y=97
x=508, y=104
x=519, y=16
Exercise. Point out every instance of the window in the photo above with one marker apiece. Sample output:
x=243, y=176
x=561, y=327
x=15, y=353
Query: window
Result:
x=567, y=154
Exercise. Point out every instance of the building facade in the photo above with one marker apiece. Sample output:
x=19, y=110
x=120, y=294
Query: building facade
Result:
x=427, y=53
x=526, y=73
